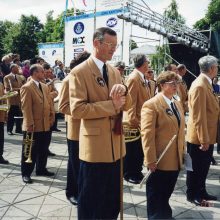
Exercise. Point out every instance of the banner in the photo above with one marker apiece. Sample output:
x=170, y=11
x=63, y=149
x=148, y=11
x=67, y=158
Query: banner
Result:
x=79, y=32
x=100, y=5
x=51, y=52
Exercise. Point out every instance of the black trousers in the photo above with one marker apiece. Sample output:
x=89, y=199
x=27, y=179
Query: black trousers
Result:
x=195, y=180
x=72, y=169
x=134, y=158
x=14, y=110
x=1, y=138
x=39, y=154
x=159, y=187
x=99, y=190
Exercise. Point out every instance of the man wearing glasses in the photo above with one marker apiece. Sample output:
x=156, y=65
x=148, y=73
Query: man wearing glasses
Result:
x=96, y=98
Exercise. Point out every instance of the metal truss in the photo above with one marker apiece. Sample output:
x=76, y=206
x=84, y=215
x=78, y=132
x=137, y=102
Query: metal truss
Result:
x=146, y=18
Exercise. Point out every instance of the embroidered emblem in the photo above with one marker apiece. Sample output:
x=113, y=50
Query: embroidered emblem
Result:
x=144, y=84
x=169, y=112
x=100, y=81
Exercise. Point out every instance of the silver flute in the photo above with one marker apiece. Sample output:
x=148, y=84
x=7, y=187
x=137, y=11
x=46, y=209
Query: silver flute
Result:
x=144, y=180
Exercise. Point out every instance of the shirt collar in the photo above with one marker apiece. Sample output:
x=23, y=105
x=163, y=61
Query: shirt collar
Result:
x=167, y=100
x=210, y=81
x=142, y=76
x=98, y=63
x=36, y=82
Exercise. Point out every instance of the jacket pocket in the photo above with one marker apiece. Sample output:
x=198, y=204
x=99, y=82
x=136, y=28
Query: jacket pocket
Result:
x=90, y=131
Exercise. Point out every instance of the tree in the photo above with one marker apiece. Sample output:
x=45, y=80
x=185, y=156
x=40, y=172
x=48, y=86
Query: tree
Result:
x=4, y=28
x=133, y=44
x=22, y=38
x=172, y=12
x=160, y=59
x=212, y=17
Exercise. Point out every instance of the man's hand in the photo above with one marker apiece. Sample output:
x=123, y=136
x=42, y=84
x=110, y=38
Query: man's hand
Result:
x=204, y=147
x=118, y=90
x=118, y=101
x=152, y=166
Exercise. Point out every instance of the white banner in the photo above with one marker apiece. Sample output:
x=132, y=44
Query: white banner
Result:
x=51, y=52
x=79, y=32
x=100, y=5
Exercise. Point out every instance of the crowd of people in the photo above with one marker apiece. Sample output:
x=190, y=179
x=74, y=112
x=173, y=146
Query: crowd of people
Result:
x=97, y=100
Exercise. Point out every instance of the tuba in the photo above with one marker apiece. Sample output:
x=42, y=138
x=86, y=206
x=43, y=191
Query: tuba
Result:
x=28, y=142
x=130, y=134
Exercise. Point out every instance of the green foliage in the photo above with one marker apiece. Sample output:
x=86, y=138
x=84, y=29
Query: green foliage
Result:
x=212, y=17
x=22, y=37
x=159, y=59
x=172, y=12
x=133, y=44
x=4, y=28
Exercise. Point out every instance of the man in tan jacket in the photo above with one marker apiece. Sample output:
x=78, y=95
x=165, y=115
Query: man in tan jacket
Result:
x=13, y=82
x=202, y=129
x=97, y=97
x=182, y=90
x=3, y=119
x=38, y=117
x=73, y=126
x=140, y=90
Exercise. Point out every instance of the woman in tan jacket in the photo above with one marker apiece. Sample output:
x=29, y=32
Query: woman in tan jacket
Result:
x=162, y=117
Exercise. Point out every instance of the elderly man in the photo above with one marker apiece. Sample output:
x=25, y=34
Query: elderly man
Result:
x=140, y=90
x=202, y=129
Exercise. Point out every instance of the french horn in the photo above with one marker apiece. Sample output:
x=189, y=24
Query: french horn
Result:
x=130, y=134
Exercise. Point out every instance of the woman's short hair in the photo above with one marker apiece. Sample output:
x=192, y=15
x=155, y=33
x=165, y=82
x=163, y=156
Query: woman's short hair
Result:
x=166, y=76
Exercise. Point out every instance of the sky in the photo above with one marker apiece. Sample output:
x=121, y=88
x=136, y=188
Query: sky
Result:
x=191, y=10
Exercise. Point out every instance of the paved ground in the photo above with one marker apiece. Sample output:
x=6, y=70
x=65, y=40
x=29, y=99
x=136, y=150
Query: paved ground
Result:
x=45, y=198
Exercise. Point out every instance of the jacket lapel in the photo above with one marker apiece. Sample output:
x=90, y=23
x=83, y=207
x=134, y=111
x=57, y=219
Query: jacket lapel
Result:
x=167, y=109
x=37, y=90
x=99, y=81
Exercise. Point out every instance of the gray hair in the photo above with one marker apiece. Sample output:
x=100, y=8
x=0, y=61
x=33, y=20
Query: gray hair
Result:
x=206, y=62
x=139, y=60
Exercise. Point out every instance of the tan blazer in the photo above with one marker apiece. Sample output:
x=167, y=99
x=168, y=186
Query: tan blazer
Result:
x=183, y=94
x=2, y=113
x=139, y=93
x=73, y=125
x=157, y=128
x=90, y=102
x=203, y=113
x=36, y=107
x=9, y=81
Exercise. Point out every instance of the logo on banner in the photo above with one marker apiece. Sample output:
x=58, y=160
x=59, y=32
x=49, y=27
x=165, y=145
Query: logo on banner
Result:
x=111, y=22
x=79, y=50
x=79, y=40
x=78, y=28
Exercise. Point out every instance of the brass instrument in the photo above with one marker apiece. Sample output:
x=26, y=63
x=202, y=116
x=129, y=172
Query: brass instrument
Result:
x=4, y=107
x=28, y=142
x=130, y=134
x=9, y=95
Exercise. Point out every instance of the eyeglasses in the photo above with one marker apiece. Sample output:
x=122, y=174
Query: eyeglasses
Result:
x=110, y=45
x=173, y=83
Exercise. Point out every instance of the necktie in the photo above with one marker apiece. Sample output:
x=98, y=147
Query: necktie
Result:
x=40, y=87
x=105, y=74
x=173, y=107
x=16, y=78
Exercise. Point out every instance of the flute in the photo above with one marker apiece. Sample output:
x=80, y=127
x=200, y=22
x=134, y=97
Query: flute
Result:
x=161, y=156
